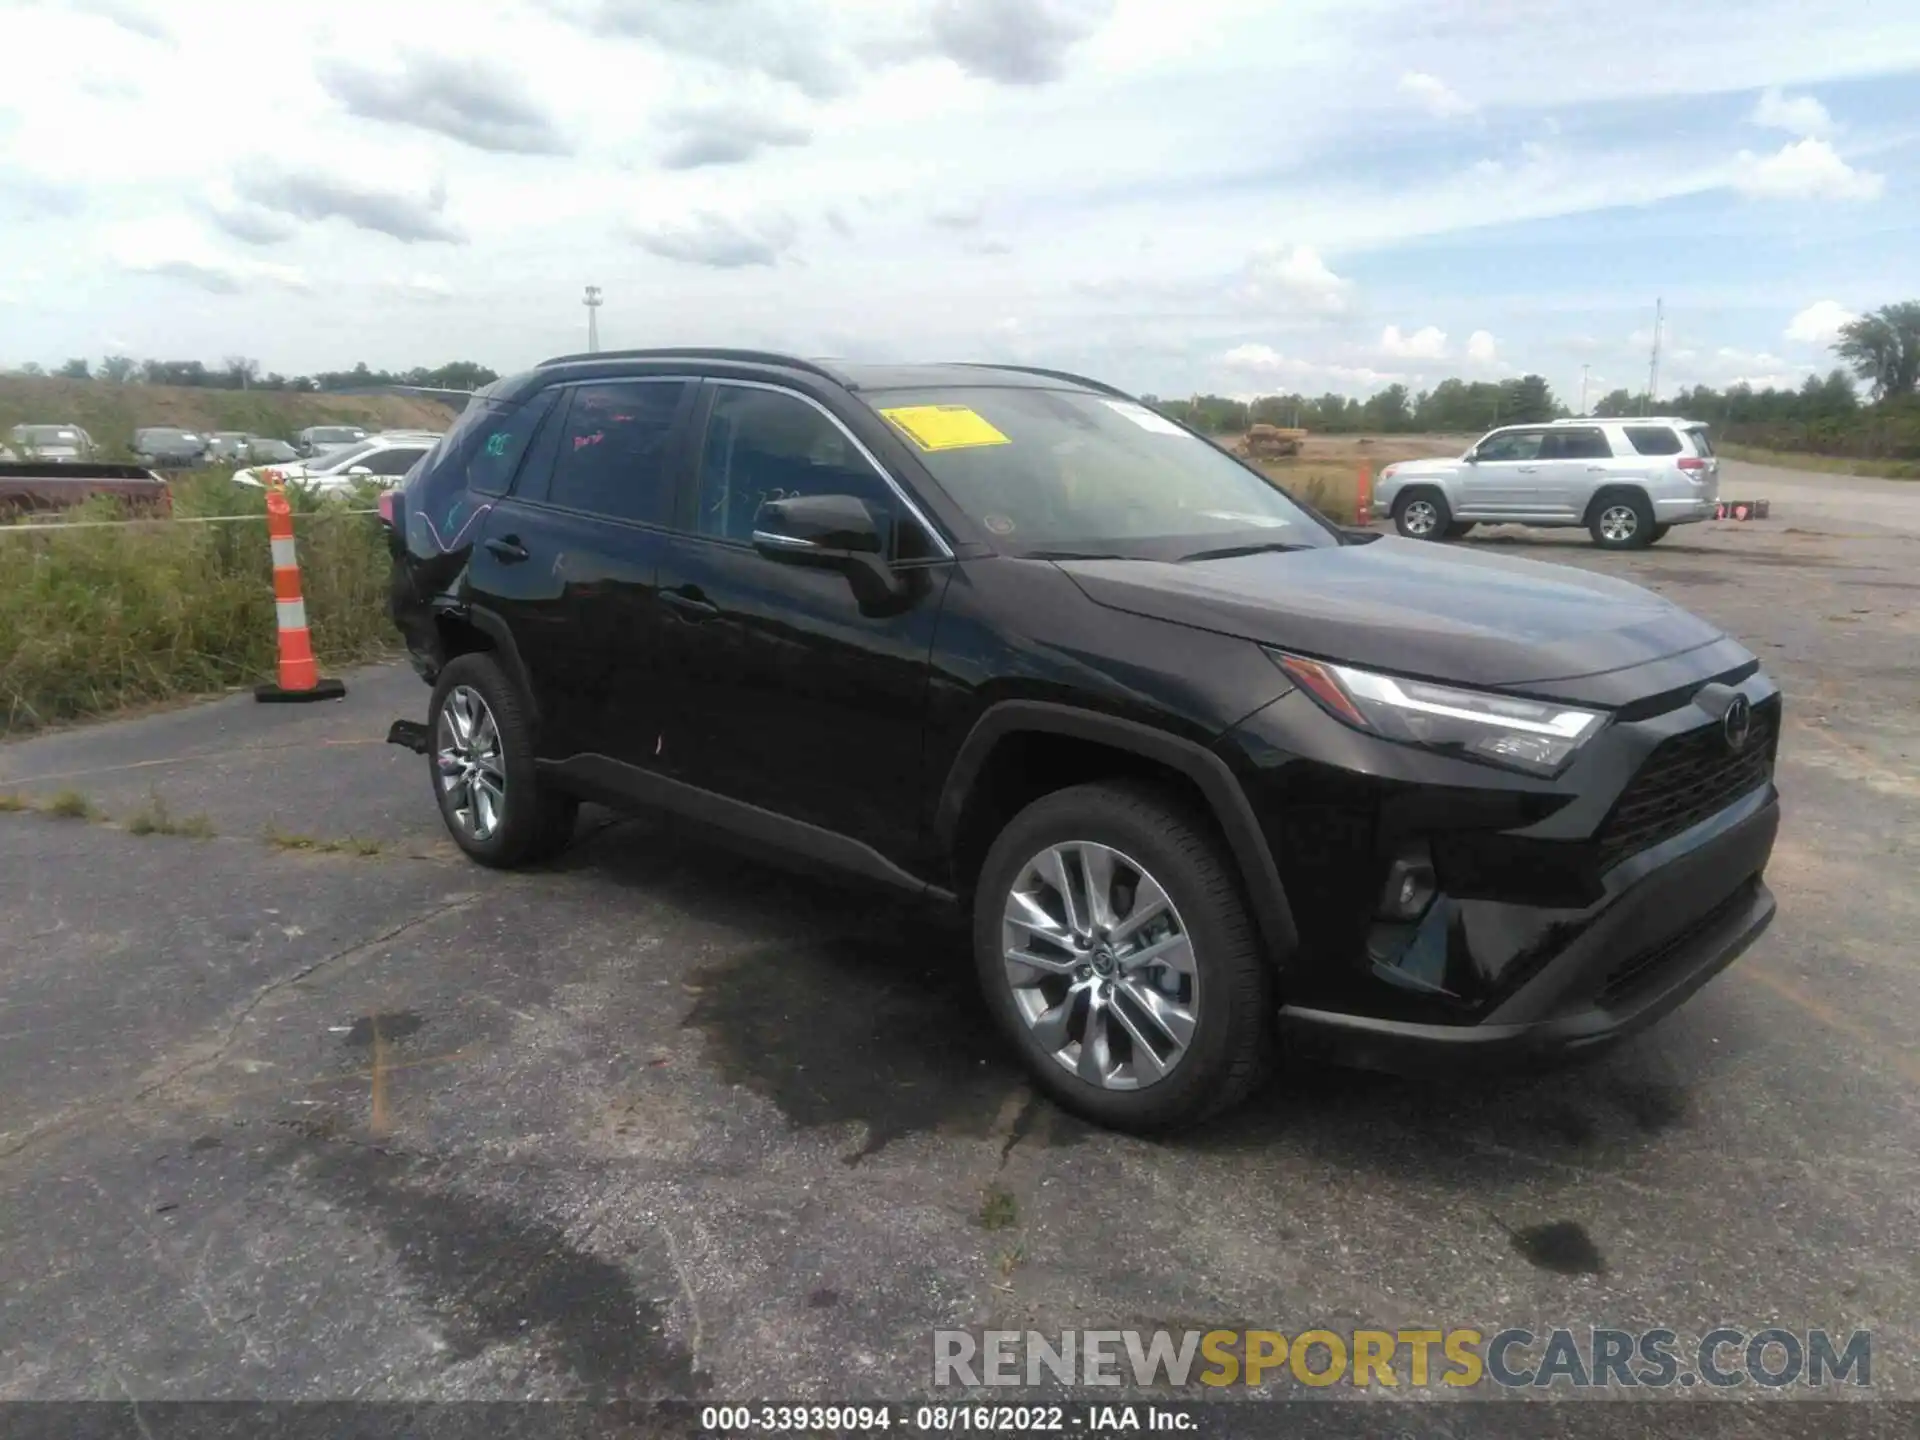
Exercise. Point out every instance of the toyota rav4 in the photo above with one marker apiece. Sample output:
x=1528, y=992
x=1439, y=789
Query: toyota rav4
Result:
x=1210, y=775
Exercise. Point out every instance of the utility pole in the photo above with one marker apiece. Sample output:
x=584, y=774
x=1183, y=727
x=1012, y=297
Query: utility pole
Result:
x=592, y=302
x=1653, y=365
x=1583, y=389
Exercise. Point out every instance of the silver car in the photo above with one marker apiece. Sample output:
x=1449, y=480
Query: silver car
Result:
x=51, y=442
x=1625, y=481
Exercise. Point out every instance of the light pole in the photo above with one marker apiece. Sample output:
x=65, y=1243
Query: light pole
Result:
x=592, y=302
x=1583, y=389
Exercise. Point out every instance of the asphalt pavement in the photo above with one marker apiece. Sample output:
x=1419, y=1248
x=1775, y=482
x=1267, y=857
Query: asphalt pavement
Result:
x=312, y=1108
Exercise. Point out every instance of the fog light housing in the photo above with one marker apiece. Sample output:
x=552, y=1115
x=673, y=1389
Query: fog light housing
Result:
x=1409, y=890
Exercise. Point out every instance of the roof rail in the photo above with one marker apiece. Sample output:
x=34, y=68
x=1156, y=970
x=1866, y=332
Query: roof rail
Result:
x=1099, y=385
x=751, y=357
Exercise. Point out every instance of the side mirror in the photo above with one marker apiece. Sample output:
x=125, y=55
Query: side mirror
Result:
x=839, y=532
x=824, y=529
x=1472, y=457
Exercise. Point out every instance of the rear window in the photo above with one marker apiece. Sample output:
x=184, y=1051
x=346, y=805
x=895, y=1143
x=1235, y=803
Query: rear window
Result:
x=1654, y=439
x=1701, y=445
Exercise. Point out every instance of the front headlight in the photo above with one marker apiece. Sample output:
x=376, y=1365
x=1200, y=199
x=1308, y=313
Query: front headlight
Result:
x=1536, y=736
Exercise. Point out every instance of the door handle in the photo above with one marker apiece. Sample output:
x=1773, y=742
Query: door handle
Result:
x=690, y=601
x=1528, y=469
x=508, y=548
x=1596, y=469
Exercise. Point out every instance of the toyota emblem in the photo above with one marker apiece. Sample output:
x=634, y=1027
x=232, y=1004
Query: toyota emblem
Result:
x=1736, y=726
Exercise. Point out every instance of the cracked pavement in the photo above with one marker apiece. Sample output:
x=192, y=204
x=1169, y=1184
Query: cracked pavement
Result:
x=663, y=1121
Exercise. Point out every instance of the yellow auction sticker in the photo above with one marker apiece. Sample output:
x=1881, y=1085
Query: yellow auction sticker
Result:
x=945, y=427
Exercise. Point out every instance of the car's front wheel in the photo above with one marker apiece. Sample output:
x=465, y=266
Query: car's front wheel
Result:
x=481, y=750
x=1116, y=951
x=1422, y=514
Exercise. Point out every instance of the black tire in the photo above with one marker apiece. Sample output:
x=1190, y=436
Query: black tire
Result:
x=1460, y=529
x=1408, y=500
x=1657, y=534
x=1232, y=1044
x=1602, y=525
x=536, y=821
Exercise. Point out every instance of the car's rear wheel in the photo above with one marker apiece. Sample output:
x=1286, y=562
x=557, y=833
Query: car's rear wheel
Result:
x=1116, y=951
x=1621, y=520
x=1421, y=514
x=481, y=750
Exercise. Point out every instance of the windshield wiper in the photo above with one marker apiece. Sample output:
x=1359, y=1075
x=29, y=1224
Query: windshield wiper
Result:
x=1228, y=552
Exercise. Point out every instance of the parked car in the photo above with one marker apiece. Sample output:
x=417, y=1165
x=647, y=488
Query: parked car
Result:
x=1206, y=772
x=388, y=455
x=262, y=451
x=317, y=438
x=167, y=447
x=226, y=447
x=1627, y=481
x=52, y=442
x=35, y=487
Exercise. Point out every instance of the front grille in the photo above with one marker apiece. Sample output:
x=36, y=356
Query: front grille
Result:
x=1686, y=779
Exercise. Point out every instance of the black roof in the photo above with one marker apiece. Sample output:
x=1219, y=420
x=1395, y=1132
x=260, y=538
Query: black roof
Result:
x=854, y=375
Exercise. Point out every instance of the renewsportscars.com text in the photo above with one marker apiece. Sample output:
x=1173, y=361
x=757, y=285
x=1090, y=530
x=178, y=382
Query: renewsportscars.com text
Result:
x=1584, y=1357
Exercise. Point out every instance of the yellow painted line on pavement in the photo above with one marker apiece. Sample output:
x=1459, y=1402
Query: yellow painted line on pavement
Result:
x=1899, y=1060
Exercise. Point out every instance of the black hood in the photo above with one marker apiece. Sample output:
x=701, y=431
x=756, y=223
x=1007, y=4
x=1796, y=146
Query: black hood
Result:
x=1411, y=607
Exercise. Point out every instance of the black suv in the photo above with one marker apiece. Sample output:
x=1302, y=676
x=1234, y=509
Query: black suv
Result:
x=1208, y=773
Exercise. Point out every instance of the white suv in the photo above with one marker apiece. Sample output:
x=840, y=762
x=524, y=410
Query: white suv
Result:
x=1626, y=481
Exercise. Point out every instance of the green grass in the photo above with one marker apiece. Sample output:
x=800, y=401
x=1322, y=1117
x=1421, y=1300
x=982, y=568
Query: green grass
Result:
x=13, y=804
x=998, y=1210
x=1823, y=464
x=92, y=621
x=316, y=845
x=70, y=805
x=154, y=818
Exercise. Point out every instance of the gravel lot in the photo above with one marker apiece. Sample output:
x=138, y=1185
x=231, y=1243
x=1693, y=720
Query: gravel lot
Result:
x=666, y=1122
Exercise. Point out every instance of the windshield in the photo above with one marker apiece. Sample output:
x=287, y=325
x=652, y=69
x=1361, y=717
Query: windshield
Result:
x=340, y=458
x=46, y=435
x=1064, y=473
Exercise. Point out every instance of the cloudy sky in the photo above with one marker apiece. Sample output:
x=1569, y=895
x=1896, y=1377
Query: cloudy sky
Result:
x=1231, y=195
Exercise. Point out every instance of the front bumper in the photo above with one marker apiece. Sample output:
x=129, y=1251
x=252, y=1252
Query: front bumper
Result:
x=1693, y=905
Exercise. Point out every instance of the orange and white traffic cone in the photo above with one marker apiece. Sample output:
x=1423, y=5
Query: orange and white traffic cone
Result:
x=299, y=675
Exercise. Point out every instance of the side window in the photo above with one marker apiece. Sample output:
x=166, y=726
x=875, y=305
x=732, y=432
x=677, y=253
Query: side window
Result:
x=763, y=445
x=393, y=462
x=612, y=456
x=490, y=445
x=1512, y=445
x=1653, y=440
x=1580, y=442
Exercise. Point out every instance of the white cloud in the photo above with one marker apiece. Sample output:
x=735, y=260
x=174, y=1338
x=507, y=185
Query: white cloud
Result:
x=1796, y=114
x=1265, y=364
x=175, y=248
x=1819, y=323
x=1804, y=170
x=420, y=286
x=1434, y=95
x=1295, y=277
x=1428, y=343
x=1481, y=349
x=721, y=242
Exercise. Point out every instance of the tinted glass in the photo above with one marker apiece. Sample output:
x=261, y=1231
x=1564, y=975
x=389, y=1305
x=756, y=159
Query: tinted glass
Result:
x=487, y=441
x=1576, y=443
x=612, y=457
x=1701, y=445
x=1066, y=472
x=1513, y=445
x=394, y=462
x=1653, y=440
x=762, y=445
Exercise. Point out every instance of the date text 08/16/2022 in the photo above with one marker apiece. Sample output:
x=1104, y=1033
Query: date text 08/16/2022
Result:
x=1103, y=1419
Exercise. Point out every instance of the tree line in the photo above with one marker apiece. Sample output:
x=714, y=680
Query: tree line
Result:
x=1825, y=414
x=238, y=372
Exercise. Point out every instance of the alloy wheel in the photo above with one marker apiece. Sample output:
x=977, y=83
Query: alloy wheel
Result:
x=468, y=765
x=1420, y=518
x=1101, y=967
x=1618, y=522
